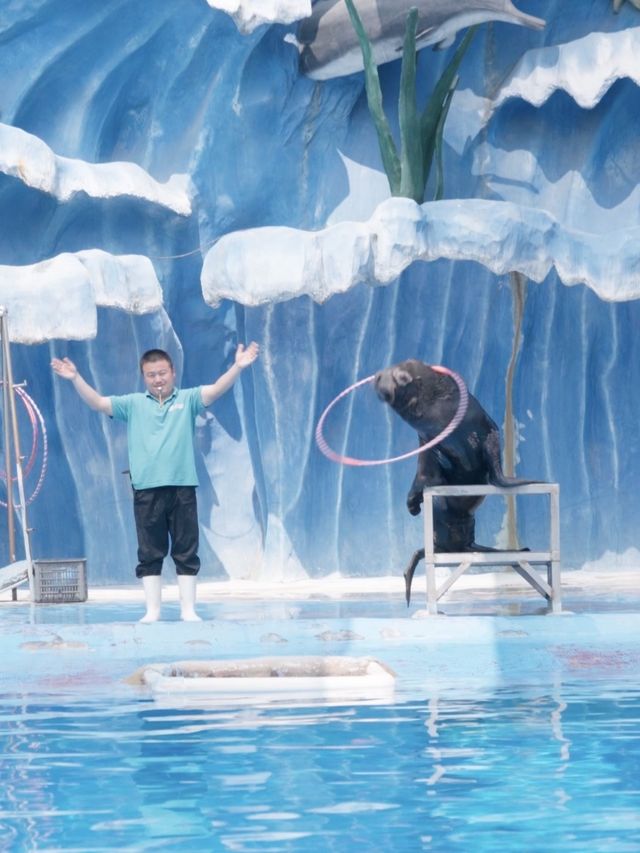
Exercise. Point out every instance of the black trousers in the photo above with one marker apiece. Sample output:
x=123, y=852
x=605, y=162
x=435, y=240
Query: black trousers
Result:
x=163, y=513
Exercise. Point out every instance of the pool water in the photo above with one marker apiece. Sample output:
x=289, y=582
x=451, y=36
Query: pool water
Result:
x=531, y=769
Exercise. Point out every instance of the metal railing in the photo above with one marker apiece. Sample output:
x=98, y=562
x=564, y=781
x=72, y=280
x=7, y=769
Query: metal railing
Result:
x=17, y=571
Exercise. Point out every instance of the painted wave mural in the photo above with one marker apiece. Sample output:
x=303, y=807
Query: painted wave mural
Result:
x=170, y=177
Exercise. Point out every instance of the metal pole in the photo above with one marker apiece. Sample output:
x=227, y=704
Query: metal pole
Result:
x=6, y=358
x=429, y=552
x=556, y=584
x=8, y=464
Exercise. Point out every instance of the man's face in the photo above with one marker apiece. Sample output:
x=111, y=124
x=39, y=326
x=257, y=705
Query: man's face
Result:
x=159, y=377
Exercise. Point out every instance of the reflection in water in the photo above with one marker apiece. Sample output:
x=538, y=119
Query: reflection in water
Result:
x=521, y=769
x=541, y=714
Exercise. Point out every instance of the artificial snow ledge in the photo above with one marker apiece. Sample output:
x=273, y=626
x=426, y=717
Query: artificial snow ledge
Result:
x=282, y=677
x=57, y=298
x=585, y=68
x=249, y=14
x=29, y=158
x=275, y=263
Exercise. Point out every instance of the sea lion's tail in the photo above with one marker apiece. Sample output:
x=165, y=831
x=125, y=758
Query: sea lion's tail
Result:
x=504, y=482
x=410, y=571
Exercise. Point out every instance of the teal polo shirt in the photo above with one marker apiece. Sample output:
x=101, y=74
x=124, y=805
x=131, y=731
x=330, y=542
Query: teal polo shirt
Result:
x=160, y=436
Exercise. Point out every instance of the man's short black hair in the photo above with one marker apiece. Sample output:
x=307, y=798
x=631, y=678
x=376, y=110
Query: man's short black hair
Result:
x=155, y=355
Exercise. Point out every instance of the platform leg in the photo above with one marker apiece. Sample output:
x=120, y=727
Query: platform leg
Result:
x=555, y=581
x=555, y=584
x=429, y=549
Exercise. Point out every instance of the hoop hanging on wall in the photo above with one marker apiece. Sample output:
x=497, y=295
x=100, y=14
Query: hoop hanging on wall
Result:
x=37, y=428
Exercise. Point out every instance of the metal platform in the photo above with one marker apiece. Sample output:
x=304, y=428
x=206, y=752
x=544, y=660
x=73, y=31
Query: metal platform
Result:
x=521, y=561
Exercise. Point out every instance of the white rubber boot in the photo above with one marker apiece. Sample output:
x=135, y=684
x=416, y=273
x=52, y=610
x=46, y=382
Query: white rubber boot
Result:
x=187, y=589
x=152, y=585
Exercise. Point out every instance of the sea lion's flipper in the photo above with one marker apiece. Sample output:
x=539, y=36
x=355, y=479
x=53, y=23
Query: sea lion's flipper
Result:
x=495, y=474
x=509, y=482
x=483, y=549
x=410, y=571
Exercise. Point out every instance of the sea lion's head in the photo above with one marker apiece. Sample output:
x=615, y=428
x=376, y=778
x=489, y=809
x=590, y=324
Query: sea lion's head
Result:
x=415, y=391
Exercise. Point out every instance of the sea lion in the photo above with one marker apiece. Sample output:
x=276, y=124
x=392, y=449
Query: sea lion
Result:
x=427, y=400
x=329, y=46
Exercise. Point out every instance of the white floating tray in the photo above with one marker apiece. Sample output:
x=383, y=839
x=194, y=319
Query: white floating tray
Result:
x=320, y=677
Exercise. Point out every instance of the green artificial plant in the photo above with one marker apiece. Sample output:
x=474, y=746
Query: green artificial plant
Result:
x=420, y=133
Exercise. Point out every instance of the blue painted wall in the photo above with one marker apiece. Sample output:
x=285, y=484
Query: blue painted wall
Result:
x=179, y=89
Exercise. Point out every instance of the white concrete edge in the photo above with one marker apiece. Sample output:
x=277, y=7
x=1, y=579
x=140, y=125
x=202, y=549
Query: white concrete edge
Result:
x=334, y=587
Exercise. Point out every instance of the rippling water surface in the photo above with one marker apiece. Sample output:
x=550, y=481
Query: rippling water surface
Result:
x=508, y=771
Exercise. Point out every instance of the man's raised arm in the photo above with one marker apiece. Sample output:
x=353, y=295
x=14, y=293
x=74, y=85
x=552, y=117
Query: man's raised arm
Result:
x=66, y=369
x=244, y=357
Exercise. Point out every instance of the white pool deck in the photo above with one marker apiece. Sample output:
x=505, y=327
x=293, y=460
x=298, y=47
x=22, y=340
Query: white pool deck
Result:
x=494, y=632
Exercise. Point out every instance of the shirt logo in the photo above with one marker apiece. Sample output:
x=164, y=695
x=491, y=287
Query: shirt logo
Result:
x=176, y=406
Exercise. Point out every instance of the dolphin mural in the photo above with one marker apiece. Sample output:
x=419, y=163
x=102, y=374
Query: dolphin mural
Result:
x=329, y=46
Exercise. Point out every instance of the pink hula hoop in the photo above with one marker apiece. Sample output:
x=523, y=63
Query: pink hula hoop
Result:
x=463, y=402
x=30, y=409
x=37, y=426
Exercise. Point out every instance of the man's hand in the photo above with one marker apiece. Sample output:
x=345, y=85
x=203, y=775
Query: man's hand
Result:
x=245, y=357
x=64, y=368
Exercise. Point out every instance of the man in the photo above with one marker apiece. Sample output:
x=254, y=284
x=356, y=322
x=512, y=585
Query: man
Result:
x=160, y=433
